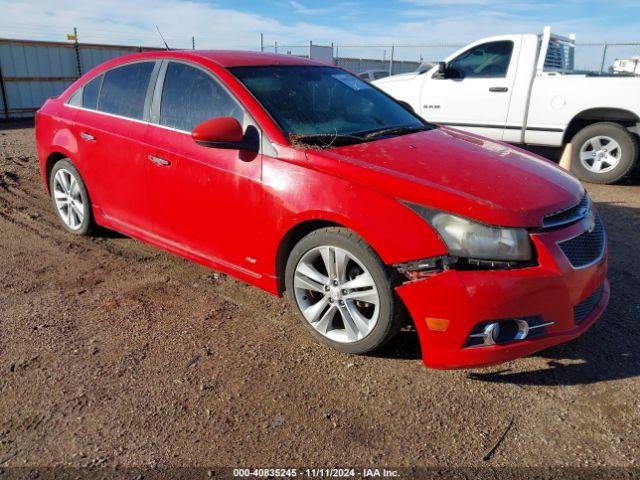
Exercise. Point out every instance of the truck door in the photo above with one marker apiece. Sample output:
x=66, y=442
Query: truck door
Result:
x=475, y=90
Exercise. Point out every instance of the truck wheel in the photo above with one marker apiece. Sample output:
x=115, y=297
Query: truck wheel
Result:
x=341, y=291
x=603, y=153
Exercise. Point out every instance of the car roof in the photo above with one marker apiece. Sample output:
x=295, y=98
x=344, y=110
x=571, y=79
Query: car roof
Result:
x=229, y=58
x=243, y=58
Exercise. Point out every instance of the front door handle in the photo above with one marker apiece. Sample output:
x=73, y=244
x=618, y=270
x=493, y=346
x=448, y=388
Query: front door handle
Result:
x=87, y=136
x=161, y=162
x=498, y=89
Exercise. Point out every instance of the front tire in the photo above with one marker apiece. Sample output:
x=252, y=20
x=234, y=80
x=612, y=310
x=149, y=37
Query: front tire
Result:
x=341, y=291
x=70, y=198
x=603, y=153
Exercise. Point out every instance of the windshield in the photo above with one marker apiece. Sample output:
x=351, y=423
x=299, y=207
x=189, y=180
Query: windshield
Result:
x=316, y=101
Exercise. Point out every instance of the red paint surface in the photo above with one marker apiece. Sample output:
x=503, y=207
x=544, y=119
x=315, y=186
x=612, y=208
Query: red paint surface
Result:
x=231, y=210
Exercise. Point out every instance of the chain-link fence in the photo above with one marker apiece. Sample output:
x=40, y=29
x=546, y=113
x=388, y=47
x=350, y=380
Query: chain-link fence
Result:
x=589, y=57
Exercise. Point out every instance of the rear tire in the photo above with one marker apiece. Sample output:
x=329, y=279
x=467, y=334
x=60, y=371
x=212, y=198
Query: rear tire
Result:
x=70, y=198
x=341, y=291
x=603, y=152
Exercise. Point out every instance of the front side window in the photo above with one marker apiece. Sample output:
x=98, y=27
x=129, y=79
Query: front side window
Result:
x=124, y=90
x=191, y=96
x=486, y=60
x=316, y=100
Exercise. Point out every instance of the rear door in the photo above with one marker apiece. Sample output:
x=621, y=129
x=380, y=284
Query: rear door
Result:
x=206, y=201
x=474, y=94
x=112, y=128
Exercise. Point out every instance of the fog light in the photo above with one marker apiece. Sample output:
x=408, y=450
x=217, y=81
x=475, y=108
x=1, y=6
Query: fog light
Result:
x=498, y=332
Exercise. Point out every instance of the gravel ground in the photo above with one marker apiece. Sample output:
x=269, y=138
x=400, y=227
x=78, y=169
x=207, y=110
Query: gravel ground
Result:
x=113, y=353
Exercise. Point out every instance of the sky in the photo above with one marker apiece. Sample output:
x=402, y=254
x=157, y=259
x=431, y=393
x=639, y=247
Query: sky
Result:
x=237, y=24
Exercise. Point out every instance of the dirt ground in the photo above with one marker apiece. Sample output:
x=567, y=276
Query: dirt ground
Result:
x=113, y=353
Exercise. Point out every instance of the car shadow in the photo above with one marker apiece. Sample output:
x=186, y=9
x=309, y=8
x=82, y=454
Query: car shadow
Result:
x=102, y=232
x=16, y=123
x=610, y=350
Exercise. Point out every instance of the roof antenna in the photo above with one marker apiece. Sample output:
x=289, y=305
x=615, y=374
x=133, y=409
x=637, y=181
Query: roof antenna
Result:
x=163, y=40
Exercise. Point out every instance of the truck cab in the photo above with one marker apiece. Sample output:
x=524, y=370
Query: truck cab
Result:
x=524, y=89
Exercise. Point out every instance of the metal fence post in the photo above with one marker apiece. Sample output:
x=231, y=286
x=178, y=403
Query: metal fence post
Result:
x=391, y=60
x=604, y=57
x=4, y=96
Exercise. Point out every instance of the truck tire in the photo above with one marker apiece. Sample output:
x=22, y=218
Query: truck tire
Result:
x=603, y=153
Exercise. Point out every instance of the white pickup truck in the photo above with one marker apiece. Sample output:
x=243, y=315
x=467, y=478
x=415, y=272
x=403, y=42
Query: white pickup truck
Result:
x=523, y=89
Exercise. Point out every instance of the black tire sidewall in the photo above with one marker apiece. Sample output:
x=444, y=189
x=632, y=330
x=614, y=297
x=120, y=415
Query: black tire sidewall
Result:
x=628, y=144
x=87, y=221
x=343, y=238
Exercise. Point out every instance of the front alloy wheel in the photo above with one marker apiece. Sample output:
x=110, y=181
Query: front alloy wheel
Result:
x=341, y=291
x=336, y=294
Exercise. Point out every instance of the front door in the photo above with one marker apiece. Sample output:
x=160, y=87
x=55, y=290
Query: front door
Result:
x=206, y=201
x=475, y=92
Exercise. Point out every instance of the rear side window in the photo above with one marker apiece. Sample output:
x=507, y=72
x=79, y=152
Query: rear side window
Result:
x=90, y=93
x=124, y=90
x=190, y=96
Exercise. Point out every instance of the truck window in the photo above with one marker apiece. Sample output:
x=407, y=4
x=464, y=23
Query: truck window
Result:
x=482, y=61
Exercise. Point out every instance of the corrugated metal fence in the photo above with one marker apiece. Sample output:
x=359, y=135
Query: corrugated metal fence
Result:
x=32, y=71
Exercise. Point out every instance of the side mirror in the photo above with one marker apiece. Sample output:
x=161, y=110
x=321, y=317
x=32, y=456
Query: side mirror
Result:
x=222, y=132
x=406, y=106
x=441, y=71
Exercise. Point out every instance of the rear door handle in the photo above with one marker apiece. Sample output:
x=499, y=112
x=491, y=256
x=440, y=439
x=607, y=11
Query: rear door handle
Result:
x=498, y=89
x=161, y=162
x=87, y=136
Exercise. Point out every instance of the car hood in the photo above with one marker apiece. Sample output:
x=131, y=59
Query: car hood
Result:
x=457, y=172
x=396, y=78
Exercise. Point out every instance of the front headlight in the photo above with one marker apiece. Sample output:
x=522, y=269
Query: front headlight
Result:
x=468, y=239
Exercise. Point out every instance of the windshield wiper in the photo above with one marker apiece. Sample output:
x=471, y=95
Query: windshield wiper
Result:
x=397, y=131
x=326, y=140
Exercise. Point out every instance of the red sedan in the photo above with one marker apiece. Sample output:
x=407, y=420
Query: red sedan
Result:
x=298, y=177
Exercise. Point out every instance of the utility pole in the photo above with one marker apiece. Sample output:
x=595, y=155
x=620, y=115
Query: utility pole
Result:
x=76, y=47
x=604, y=57
x=193, y=43
x=262, y=42
x=391, y=60
x=276, y=47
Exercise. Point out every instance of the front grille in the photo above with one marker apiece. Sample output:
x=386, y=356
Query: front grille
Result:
x=569, y=215
x=582, y=310
x=587, y=248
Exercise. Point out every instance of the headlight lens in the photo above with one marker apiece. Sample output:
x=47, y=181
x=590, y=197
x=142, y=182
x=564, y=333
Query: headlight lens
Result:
x=468, y=239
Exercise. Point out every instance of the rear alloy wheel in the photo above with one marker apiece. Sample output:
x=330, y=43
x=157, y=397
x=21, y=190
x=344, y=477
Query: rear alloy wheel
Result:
x=341, y=291
x=70, y=198
x=603, y=153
